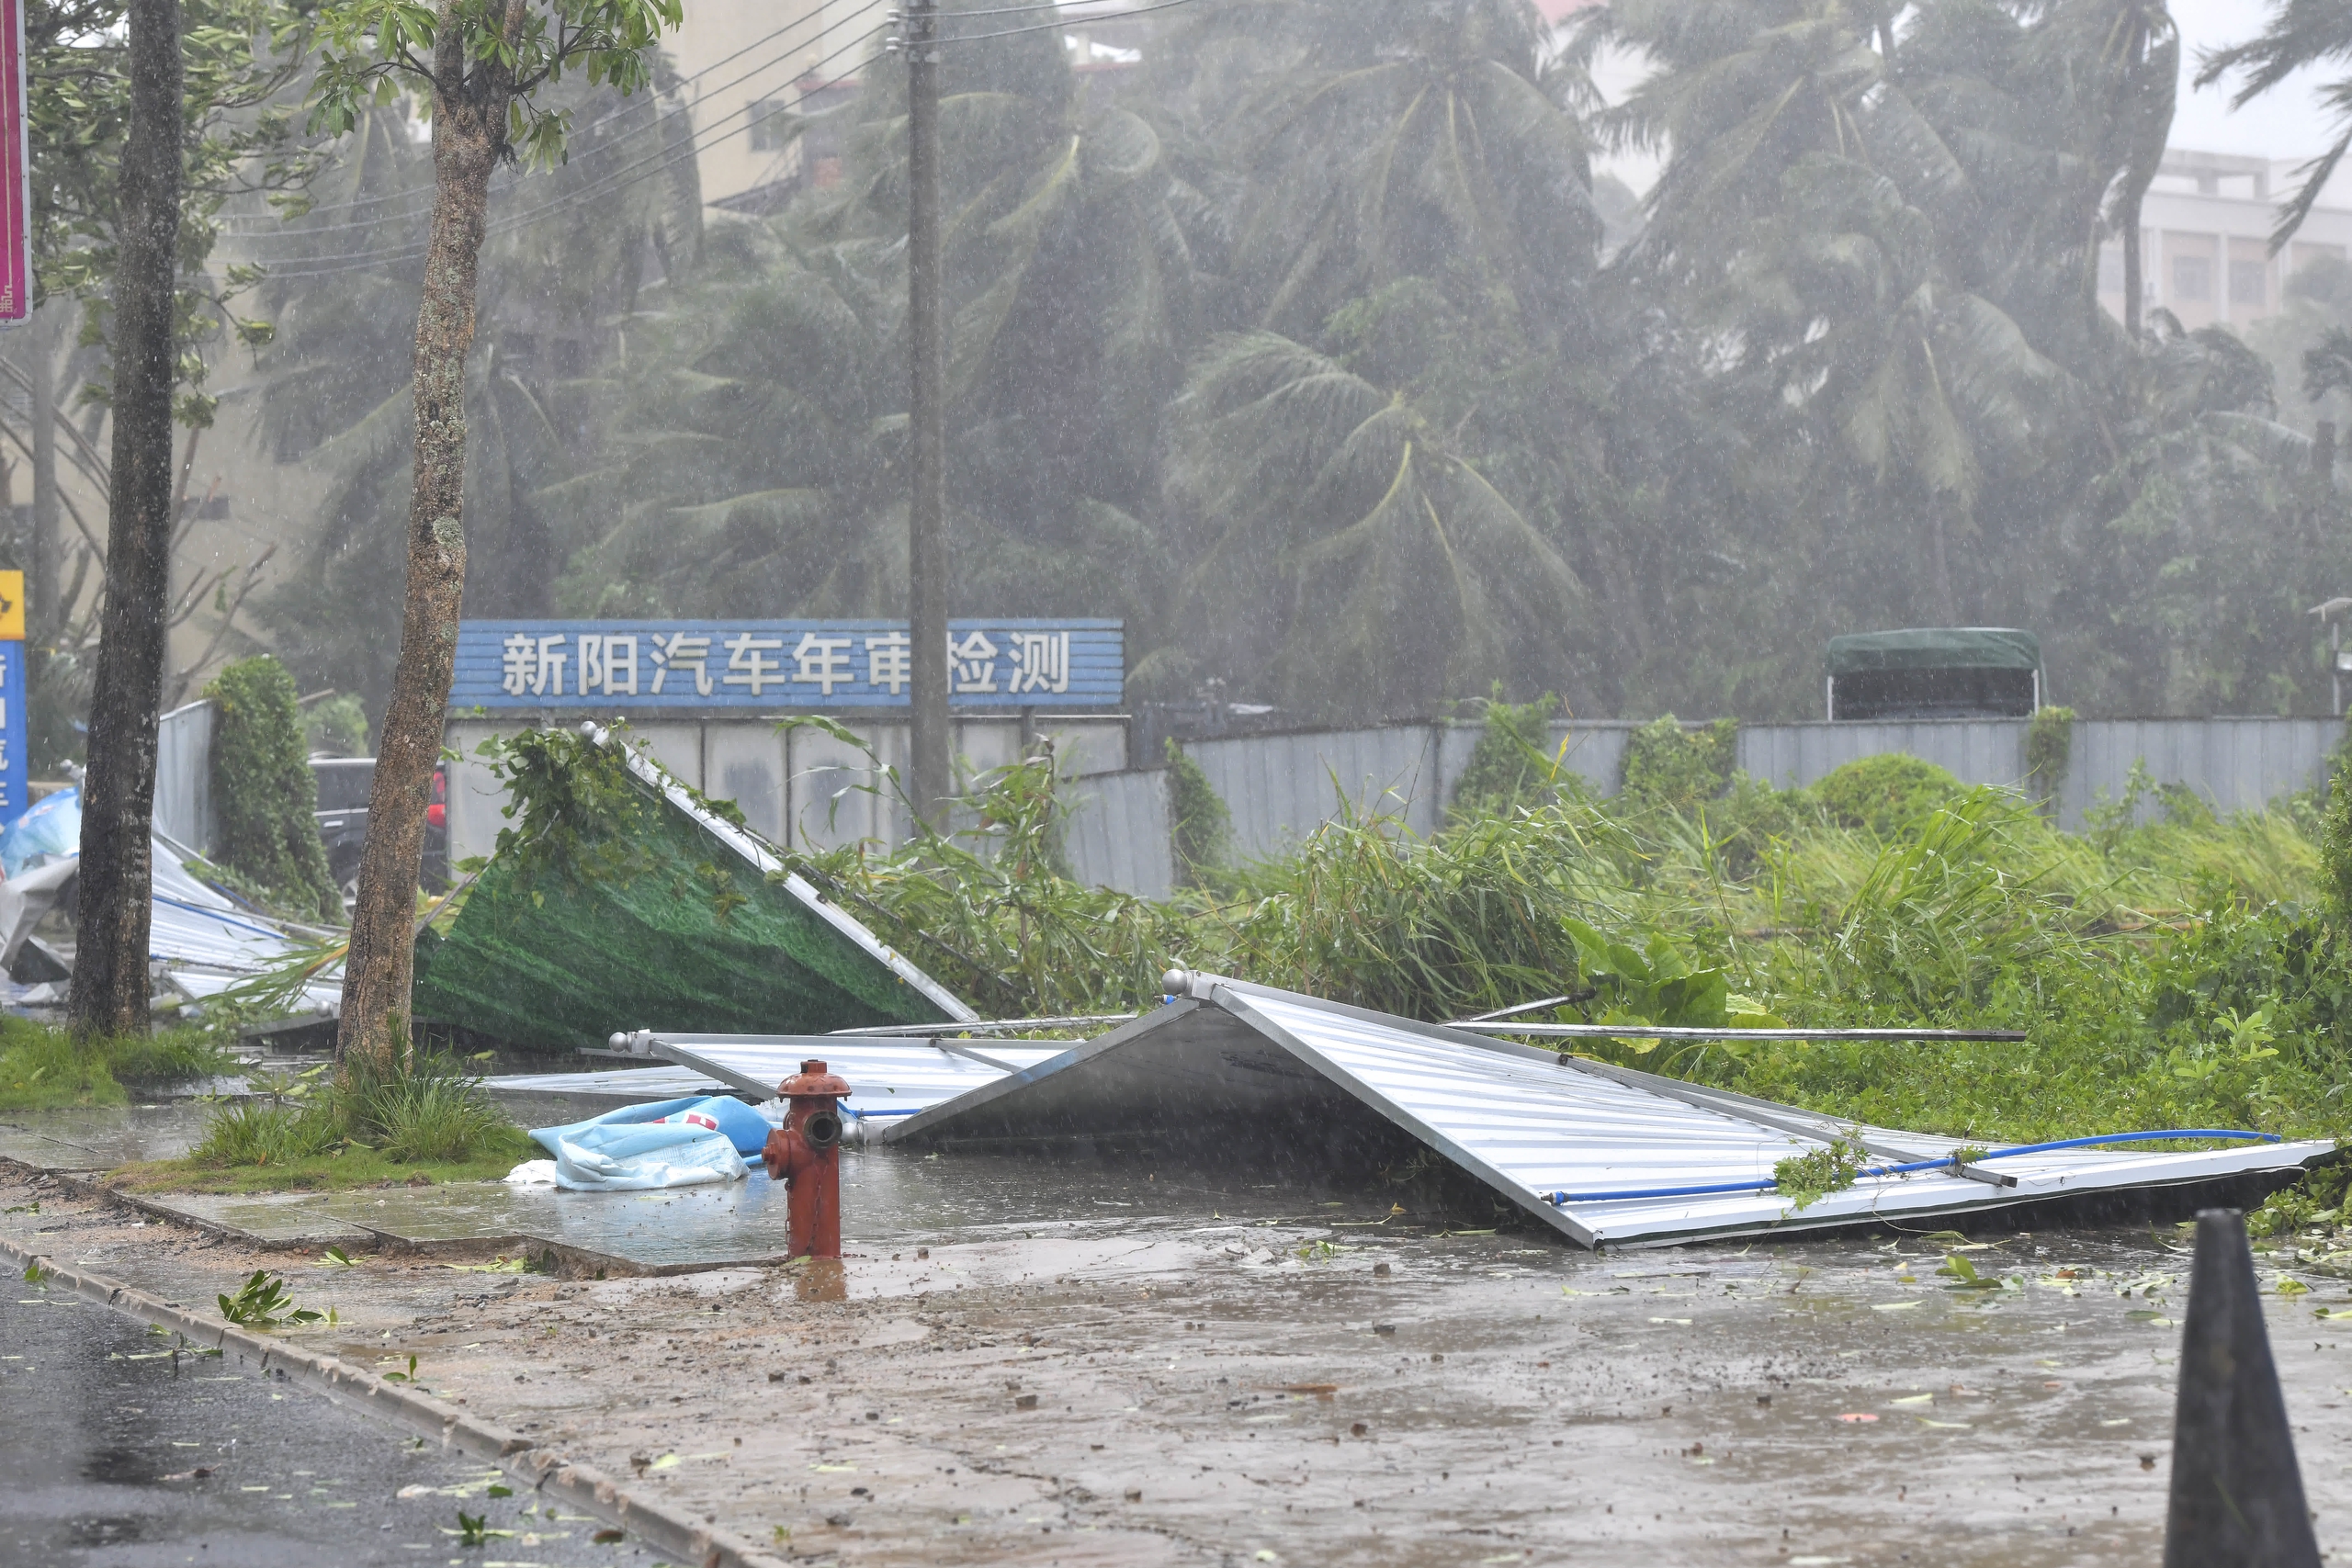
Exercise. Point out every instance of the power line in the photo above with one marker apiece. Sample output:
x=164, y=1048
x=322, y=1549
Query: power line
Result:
x=590, y=128
x=365, y=261
x=302, y=266
x=1048, y=27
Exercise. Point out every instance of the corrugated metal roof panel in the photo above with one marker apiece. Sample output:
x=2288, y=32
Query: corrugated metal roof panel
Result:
x=643, y=1085
x=1524, y=1121
x=888, y=1078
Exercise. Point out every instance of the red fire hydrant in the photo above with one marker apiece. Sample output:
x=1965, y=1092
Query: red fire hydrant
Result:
x=805, y=1154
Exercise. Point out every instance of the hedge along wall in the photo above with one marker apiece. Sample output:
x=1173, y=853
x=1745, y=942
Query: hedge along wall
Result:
x=264, y=797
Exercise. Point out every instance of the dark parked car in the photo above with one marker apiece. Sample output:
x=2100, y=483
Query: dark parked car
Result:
x=344, y=783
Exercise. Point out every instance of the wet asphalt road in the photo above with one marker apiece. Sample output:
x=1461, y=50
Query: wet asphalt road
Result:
x=114, y=1451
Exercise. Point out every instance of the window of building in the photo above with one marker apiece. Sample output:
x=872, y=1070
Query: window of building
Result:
x=2249, y=283
x=2192, y=278
x=771, y=124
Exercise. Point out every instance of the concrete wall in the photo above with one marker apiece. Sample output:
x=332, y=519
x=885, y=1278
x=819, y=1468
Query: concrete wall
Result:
x=1117, y=834
x=801, y=788
x=807, y=790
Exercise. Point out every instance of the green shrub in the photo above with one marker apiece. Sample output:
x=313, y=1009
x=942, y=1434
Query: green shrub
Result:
x=2336, y=836
x=2049, y=748
x=438, y=1118
x=336, y=727
x=1670, y=766
x=259, y=1132
x=1511, y=764
x=1888, y=793
x=264, y=794
x=1200, y=828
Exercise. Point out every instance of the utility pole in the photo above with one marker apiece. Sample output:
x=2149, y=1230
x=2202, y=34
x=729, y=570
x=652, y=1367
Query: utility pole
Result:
x=931, y=738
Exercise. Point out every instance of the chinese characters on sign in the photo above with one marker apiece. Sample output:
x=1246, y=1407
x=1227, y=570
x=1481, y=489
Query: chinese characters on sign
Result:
x=782, y=665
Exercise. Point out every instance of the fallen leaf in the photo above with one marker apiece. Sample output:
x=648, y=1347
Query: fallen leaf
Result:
x=1893, y=1306
x=1857, y=1415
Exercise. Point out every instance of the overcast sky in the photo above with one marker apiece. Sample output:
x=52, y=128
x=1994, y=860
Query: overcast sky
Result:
x=2286, y=122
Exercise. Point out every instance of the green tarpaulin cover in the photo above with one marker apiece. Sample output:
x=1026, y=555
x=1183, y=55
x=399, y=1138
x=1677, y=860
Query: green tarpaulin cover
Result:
x=695, y=939
x=1935, y=648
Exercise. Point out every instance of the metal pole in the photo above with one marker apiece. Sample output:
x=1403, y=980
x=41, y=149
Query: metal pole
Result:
x=930, y=765
x=2335, y=667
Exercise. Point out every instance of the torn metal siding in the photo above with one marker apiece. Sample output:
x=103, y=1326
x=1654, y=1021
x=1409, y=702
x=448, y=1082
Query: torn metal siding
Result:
x=639, y=1084
x=887, y=1077
x=1524, y=1121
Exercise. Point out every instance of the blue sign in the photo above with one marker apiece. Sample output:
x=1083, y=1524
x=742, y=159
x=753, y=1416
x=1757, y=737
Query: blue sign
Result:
x=782, y=666
x=14, y=795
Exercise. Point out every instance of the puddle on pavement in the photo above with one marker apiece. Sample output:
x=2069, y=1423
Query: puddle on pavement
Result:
x=103, y=1136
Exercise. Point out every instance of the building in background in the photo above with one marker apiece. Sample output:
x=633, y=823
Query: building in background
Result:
x=748, y=77
x=2205, y=239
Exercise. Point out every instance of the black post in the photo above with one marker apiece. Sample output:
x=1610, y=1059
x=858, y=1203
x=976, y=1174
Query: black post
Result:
x=2237, y=1493
x=930, y=742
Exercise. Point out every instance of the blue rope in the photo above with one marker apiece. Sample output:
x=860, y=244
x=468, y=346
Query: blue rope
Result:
x=1765, y=1184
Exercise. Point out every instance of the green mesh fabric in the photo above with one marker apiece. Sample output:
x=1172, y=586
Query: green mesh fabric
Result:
x=697, y=941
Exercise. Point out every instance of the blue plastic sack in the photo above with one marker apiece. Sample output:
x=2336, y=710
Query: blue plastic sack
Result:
x=51, y=827
x=664, y=1124
x=671, y=1142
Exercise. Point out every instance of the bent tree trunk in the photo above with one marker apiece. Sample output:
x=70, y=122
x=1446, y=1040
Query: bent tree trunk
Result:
x=468, y=140
x=109, y=993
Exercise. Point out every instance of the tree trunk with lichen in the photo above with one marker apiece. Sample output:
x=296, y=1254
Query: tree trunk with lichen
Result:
x=470, y=111
x=109, y=991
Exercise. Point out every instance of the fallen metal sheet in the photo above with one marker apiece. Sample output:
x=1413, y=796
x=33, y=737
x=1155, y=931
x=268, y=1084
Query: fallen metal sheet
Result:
x=1235, y=1060
x=208, y=943
x=635, y=1084
x=888, y=1078
x=699, y=927
x=765, y=860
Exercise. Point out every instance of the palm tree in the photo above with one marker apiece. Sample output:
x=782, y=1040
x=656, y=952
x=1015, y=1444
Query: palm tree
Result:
x=2302, y=34
x=1349, y=548
x=335, y=389
x=765, y=414
x=1389, y=138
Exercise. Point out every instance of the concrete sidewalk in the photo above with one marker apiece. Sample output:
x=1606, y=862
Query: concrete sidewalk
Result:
x=1026, y=1363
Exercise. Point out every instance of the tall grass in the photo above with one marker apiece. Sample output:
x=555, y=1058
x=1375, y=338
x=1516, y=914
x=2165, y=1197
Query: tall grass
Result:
x=432, y=1111
x=42, y=1067
x=2133, y=954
